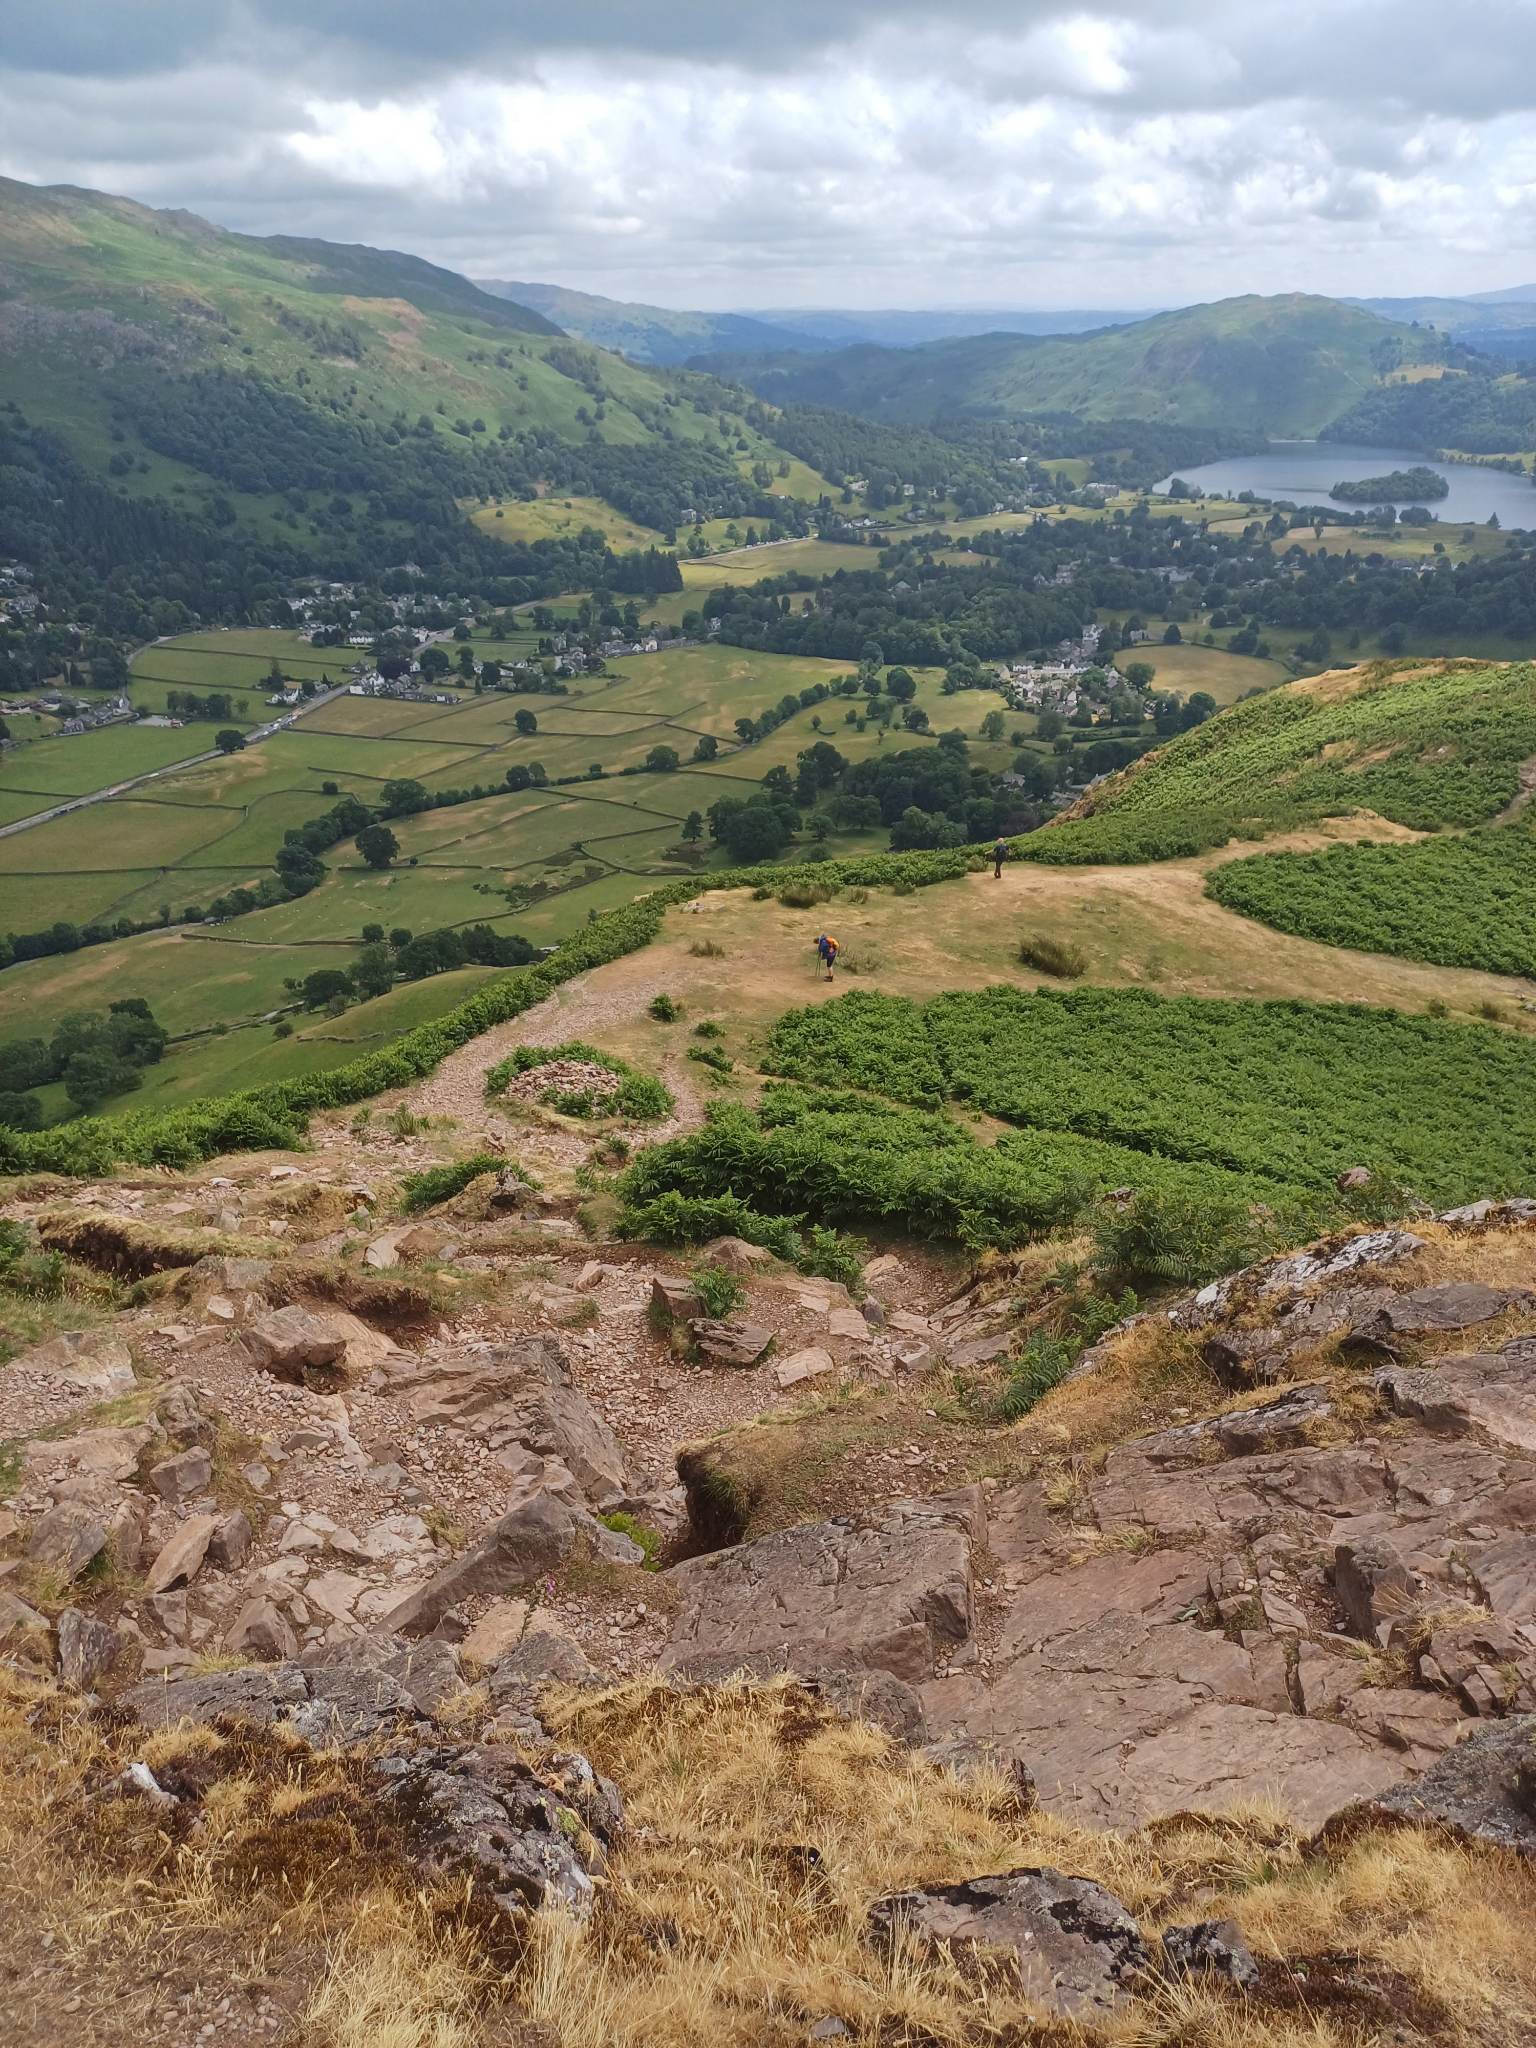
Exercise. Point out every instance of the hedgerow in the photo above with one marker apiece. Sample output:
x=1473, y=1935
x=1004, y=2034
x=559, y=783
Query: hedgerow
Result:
x=1468, y=901
x=640, y=1097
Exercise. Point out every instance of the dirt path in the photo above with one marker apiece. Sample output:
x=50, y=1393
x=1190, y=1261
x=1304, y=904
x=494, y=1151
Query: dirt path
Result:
x=1522, y=796
x=591, y=1008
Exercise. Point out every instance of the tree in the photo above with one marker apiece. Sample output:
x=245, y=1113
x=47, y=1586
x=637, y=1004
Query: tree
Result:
x=693, y=828
x=525, y=722
x=707, y=748
x=378, y=845
x=20, y=1112
x=992, y=726
x=518, y=777
x=228, y=741
x=900, y=685
x=402, y=798
x=433, y=662
x=1173, y=637
x=373, y=971
x=319, y=988
x=662, y=760
x=91, y=1077
x=1139, y=675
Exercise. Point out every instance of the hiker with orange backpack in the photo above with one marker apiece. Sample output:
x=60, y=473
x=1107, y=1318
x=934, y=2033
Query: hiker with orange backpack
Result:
x=828, y=948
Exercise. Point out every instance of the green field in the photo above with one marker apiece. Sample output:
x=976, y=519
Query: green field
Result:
x=774, y=558
x=557, y=518
x=1188, y=667
x=577, y=848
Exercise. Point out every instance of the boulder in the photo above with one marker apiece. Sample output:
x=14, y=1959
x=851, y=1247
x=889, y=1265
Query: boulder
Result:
x=1293, y=1419
x=230, y=1543
x=726, y=1341
x=1078, y=1951
x=1490, y=1391
x=531, y=1541
x=673, y=1300
x=289, y=1342
x=181, y=1559
x=547, y=1652
x=483, y=1819
x=495, y=1635
x=887, y=1591
x=87, y=1648
x=875, y=1696
x=259, y=1693
x=1374, y=1586
x=68, y=1538
x=736, y=1255
x=182, y=1476
x=1210, y=1948
x=25, y=1637
x=1426, y=1311
x=93, y=1361
x=1483, y=1790
x=808, y=1364
x=264, y=1630
x=517, y=1395
x=180, y=1419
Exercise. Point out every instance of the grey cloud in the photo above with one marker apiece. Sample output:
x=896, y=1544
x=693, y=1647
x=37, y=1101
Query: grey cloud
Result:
x=867, y=150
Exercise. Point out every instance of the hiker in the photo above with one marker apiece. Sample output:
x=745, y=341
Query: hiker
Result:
x=828, y=949
x=999, y=855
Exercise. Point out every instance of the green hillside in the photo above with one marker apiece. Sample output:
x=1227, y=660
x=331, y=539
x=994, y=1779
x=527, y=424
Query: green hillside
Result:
x=269, y=383
x=651, y=334
x=1284, y=366
x=1426, y=746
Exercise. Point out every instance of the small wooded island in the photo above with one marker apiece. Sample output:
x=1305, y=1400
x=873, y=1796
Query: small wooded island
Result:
x=1417, y=483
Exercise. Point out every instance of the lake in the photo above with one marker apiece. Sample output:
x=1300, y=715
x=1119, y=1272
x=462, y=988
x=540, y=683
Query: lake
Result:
x=1305, y=472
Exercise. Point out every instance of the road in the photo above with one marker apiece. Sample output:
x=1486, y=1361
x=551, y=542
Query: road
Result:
x=100, y=796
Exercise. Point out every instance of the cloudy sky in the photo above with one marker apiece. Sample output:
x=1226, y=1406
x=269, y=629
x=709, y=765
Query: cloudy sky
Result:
x=818, y=152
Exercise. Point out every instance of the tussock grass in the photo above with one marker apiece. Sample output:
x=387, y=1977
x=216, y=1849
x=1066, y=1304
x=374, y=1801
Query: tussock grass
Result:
x=760, y=1827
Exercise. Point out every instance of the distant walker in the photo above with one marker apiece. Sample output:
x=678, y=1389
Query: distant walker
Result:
x=828, y=949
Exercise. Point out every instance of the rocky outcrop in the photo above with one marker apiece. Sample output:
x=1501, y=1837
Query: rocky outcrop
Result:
x=520, y=1399
x=889, y=1591
x=1178, y=1638
x=524, y=1837
x=540, y=1533
x=1077, y=1950
x=1483, y=1790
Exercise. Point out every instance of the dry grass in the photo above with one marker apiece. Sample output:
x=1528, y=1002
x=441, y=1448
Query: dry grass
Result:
x=759, y=1829
x=720, y=1927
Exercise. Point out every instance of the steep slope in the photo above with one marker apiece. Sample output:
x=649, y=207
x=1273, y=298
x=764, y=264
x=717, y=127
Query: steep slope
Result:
x=241, y=374
x=1284, y=366
x=653, y=334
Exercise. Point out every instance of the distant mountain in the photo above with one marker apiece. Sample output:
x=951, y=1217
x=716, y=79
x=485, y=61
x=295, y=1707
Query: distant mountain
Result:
x=1512, y=294
x=652, y=334
x=1284, y=366
x=896, y=329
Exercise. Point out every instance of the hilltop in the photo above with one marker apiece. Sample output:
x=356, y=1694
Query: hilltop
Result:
x=1285, y=366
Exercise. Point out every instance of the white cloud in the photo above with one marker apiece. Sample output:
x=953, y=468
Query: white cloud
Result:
x=1110, y=152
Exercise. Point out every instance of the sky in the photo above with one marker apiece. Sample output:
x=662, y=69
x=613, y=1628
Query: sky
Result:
x=857, y=153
